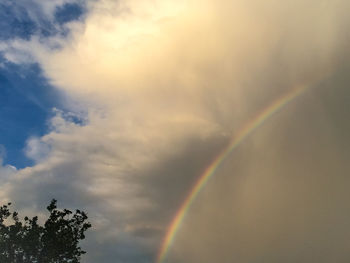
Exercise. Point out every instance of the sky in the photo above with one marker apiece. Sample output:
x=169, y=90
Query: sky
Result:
x=119, y=107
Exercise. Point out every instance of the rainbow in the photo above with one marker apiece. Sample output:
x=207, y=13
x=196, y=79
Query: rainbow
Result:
x=246, y=130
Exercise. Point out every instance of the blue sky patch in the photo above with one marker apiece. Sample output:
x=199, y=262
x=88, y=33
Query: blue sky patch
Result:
x=68, y=12
x=25, y=19
x=26, y=103
x=26, y=98
x=15, y=22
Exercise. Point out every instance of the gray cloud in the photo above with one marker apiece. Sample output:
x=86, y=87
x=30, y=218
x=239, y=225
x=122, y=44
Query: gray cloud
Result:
x=282, y=196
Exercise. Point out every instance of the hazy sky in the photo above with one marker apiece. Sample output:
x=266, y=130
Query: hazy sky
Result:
x=118, y=107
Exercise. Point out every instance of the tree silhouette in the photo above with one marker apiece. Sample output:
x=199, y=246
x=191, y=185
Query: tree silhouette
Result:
x=57, y=241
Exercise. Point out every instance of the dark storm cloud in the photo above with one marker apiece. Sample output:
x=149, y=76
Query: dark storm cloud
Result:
x=282, y=195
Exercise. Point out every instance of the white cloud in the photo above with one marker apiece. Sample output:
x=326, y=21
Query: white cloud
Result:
x=36, y=149
x=6, y=173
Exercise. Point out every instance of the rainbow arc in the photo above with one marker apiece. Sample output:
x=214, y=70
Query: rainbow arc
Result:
x=245, y=131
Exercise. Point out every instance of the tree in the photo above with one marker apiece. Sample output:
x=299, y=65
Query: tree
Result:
x=57, y=241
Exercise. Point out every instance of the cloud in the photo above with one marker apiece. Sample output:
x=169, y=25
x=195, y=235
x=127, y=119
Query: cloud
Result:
x=281, y=196
x=165, y=85
x=6, y=171
x=36, y=149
